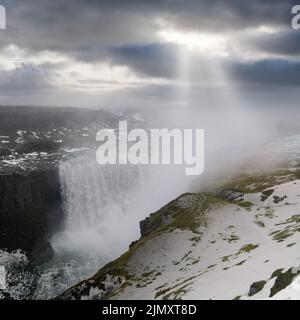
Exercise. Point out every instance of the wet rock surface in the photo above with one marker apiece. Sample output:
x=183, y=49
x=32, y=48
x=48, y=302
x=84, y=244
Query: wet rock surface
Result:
x=30, y=211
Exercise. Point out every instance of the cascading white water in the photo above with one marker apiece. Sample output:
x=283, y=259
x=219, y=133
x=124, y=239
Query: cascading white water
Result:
x=98, y=201
x=103, y=204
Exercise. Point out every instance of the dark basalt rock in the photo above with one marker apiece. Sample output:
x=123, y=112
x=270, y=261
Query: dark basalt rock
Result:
x=256, y=287
x=30, y=211
x=277, y=199
x=266, y=194
x=37, y=146
x=4, y=152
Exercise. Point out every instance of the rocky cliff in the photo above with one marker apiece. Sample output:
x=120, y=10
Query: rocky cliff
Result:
x=30, y=211
x=33, y=142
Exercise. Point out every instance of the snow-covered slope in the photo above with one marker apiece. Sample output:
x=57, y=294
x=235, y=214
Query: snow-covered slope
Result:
x=241, y=241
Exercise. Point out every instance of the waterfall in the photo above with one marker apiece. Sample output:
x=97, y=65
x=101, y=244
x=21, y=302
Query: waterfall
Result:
x=103, y=204
x=98, y=202
x=92, y=191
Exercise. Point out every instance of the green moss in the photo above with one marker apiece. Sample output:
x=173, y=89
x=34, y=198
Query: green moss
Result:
x=260, y=182
x=191, y=218
x=196, y=239
x=225, y=258
x=283, y=280
x=293, y=219
x=260, y=223
x=161, y=292
x=269, y=212
x=164, y=291
x=176, y=294
x=231, y=238
x=276, y=273
x=160, y=287
x=281, y=235
x=245, y=204
x=240, y=263
x=196, y=261
x=187, y=212
x=248, y=247
x=138, y=285
x=179, y=292
x=186, y=255
x=148, y=274
x=168, y=292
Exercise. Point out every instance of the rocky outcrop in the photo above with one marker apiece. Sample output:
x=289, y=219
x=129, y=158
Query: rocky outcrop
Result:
x=173, y=214
x=30, y=211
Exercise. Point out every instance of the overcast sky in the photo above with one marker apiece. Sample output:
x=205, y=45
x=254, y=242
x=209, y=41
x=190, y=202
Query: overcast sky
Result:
x=102, y=53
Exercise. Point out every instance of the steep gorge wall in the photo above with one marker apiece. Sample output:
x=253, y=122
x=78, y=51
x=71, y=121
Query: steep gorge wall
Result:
x=30, y=211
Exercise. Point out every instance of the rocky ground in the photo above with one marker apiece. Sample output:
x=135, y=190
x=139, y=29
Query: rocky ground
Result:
x=41, y=137
x=237, y=239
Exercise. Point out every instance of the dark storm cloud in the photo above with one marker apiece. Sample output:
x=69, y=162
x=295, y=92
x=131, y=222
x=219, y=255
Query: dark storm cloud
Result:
x=283, y=43
x=24, y=80
x=69, y=25
x=154, y=60
x=124, y=32
x=147, y=60
x=267, y=72
x=162, y=61
x=221, y=15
